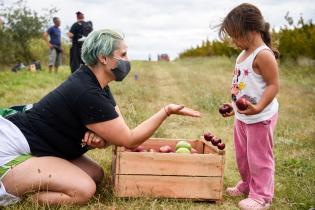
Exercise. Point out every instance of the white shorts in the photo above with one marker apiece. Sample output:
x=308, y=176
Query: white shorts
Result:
x=6, y=198
x=14, y=149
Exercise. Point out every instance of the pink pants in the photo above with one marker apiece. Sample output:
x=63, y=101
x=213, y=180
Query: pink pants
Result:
x=253, y=148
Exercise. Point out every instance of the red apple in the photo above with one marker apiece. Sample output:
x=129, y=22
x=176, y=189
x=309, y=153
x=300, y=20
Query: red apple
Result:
x=241, y=103
x=165, y=149
x=215, y=141
x=221, y=146
x=225, y=108
x=138, y=149
x=194, y=151
x=207, y=136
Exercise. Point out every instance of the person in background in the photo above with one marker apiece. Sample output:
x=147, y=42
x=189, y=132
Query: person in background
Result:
x=54, y=44
x=78, y=33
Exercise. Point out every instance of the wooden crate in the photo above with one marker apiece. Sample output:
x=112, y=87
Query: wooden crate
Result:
x=169, y=175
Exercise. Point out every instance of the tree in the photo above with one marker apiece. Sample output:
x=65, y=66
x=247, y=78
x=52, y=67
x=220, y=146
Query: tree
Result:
x=21, y=26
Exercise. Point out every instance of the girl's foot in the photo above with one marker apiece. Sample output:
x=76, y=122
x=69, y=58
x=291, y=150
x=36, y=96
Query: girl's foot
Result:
x=234, y=191
x=253, y=204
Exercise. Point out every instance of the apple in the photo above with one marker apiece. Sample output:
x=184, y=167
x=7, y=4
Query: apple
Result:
x=225, y=108
x=241, y=103
x=165, y=149
x=183, y=144
x=207, y=136
x=138, y=149
x=221, y=146
x=182, y=150
x=194, y=151
x=215, y=141
x=151, y=150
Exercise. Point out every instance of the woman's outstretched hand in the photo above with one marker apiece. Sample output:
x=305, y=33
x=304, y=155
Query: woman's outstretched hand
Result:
x=181, y=110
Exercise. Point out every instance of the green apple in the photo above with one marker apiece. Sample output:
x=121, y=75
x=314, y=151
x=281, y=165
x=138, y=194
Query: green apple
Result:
x=182, y=150
x=183, y=144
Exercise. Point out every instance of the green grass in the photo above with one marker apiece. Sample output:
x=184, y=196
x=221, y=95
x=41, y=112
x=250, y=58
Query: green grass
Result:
x=202, y=84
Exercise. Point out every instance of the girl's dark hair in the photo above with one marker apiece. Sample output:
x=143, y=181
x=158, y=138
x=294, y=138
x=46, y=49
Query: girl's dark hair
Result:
x=244, y=18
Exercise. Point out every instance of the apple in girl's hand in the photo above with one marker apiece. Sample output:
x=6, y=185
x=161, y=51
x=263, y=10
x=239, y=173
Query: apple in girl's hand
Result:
x=207, y=136
x=221, y=146
x=241, y=103
x=138, y=149
x=225, y=108
x=215, y=141
x=165, y=149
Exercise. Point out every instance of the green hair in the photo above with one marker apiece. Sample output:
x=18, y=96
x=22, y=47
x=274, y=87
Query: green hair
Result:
x=102, y=42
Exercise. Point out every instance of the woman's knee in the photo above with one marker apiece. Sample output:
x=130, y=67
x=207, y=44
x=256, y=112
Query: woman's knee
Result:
x=84, y=191
x=92, y=168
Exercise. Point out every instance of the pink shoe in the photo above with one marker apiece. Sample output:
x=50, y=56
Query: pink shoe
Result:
x=253, y=204
x=234, y=191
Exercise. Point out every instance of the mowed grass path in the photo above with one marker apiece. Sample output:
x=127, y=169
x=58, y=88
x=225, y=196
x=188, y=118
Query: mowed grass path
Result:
x=202, y=84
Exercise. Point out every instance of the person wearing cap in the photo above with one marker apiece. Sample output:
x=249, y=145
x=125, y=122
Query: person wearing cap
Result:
x=78, y=33
x=54, y=44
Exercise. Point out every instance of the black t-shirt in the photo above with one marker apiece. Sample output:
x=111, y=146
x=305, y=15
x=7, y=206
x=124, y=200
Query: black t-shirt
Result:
x=55, y=126
x=78, y=30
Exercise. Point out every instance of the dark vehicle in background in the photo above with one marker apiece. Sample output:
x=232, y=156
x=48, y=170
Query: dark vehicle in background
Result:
x=163, y=57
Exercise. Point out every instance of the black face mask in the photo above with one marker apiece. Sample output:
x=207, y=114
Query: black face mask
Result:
x=122, y=69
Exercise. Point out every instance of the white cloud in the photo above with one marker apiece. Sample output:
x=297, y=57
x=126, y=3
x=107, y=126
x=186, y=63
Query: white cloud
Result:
x=167, y=26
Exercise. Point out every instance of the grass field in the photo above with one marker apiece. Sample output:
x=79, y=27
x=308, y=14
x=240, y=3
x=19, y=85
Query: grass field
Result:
x=202, y=84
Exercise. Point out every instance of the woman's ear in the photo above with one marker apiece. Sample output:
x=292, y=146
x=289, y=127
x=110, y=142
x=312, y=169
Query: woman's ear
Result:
x=102, y=60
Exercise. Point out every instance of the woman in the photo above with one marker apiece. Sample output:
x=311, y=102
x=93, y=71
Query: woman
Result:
x=45, y=143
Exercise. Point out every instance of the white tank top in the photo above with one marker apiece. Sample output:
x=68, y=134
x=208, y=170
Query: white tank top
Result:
x=248, y=83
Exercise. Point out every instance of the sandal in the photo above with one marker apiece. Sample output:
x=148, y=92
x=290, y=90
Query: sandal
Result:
x=253, y=204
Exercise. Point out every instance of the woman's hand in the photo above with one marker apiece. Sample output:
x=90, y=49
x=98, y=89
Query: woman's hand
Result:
x=93, y=140
x=180, y=110
x=228, y=114
x=251, y=109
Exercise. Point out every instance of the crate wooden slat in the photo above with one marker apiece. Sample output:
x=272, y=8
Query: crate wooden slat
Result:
x=170, y=164
x=169, y=175
x=169, y=187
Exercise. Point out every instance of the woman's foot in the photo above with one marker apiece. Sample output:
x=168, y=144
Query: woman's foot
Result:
x=253, y=204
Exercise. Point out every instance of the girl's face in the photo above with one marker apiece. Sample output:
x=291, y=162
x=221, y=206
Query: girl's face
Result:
x=244, y=42
x=241, y=42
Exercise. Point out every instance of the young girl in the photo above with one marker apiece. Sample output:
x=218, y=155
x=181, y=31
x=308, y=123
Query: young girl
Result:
x=256, y=79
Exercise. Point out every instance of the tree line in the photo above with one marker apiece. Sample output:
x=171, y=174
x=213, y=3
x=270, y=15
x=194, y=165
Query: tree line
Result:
x=21, y=34
x=21, y=31
x=293, y=41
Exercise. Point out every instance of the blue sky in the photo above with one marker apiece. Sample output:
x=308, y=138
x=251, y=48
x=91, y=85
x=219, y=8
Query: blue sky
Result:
x=166, y=26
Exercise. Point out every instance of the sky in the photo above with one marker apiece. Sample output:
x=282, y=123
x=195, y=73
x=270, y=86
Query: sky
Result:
x=153, y=27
